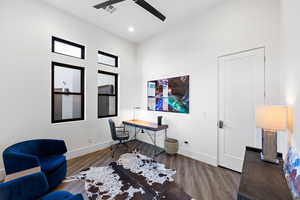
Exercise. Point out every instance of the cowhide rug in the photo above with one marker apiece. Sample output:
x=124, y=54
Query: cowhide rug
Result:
x=134, y=176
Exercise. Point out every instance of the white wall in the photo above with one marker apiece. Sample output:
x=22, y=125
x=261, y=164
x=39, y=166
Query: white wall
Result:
x=192, y=49
x=290, y=63
x=26, y=27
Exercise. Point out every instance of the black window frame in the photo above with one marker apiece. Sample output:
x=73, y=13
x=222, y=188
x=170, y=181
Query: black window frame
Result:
x=116, y=75
x=82, y=47
x=109, y=55
x=81, y=93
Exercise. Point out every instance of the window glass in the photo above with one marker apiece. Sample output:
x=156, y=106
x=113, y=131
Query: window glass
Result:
x=67, y=107
x=67, y=93
x=106, y=84
x=67, y=48
x=107, y=94
x=107, y=106
x=67, y=79
x=107, y=59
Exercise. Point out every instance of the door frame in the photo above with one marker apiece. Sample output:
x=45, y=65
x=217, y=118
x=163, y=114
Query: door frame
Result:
x=218, y=93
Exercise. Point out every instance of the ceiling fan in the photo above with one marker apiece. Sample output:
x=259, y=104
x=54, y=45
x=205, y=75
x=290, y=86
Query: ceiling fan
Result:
x=141, y=3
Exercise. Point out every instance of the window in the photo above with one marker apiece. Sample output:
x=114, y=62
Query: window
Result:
x=107, y=94
x=67, y=93
x=68, y=48
x=108, y=59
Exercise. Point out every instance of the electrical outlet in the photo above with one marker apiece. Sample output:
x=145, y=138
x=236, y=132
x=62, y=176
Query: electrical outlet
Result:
x=90, y=140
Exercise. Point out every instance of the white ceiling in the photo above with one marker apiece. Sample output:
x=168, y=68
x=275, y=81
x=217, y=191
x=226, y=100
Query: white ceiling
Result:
x=130, y=14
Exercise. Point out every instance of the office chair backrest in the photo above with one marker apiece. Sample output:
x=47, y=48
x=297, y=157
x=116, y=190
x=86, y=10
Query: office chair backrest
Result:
x=113, y=129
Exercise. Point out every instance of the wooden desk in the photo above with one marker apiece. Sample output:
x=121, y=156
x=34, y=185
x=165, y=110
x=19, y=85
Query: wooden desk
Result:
x=145, y=125
x=140, y=125
x=261, y=180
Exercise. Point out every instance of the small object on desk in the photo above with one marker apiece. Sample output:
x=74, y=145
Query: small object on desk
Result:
x=271, y=119
x=159, y=120
x=262, y=180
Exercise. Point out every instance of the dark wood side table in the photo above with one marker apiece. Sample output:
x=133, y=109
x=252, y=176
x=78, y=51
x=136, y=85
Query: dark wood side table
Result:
x=261, y=180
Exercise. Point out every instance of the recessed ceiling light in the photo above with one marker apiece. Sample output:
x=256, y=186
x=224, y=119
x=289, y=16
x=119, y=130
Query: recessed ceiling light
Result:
x=131, y=29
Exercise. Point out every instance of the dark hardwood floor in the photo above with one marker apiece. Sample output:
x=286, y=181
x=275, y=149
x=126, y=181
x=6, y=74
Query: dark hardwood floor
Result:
x=200, y=180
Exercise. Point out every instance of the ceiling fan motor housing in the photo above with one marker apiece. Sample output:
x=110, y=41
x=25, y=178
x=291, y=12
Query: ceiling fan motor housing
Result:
x=108, y=5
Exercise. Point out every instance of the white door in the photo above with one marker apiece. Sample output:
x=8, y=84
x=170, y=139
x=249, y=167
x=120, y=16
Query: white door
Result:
x=241, y=88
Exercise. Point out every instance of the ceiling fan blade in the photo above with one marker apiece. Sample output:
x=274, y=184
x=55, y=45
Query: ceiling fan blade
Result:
x=150, y=9
x=107, y=3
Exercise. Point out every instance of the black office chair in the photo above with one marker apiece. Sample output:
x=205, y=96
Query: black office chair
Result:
x=118, y=134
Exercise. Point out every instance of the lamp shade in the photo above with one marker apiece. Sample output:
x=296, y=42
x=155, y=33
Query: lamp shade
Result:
x=272, y=117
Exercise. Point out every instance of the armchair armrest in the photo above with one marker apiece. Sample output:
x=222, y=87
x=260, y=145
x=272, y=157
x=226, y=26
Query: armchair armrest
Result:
x=16, y=161
x=26, y=188
x=53, y=147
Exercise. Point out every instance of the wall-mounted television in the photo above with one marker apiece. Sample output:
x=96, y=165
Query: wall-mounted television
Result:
x=169, y=95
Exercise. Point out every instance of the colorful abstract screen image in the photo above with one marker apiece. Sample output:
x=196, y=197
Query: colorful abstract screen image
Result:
x=292, y=171
x=169, y=95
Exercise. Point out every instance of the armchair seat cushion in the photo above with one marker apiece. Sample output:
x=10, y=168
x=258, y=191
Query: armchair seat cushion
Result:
x=50, y=163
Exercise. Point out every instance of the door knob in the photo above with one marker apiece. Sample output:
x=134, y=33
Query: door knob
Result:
x=221, y=124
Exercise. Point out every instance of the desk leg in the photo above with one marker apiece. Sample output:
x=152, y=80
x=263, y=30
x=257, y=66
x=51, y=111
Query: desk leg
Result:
x=166, y=134
x=155, y=152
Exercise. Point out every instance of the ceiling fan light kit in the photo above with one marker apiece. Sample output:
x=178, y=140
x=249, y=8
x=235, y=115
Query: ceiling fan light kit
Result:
x=111, y=9
x=142, y=3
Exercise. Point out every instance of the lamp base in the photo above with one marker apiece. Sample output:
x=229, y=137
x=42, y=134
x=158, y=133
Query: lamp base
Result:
x=269, y=146
x=274, y=161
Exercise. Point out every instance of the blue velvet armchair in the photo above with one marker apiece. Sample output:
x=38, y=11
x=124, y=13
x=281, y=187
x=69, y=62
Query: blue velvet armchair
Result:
x=46, y=154
x=33, y=187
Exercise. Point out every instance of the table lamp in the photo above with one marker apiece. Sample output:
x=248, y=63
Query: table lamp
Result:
x=134, y=111
x=271, y=119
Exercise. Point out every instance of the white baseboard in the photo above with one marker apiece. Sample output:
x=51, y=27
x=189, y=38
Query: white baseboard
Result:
x=96, y=147
x=86, y=150
x=203, y=157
